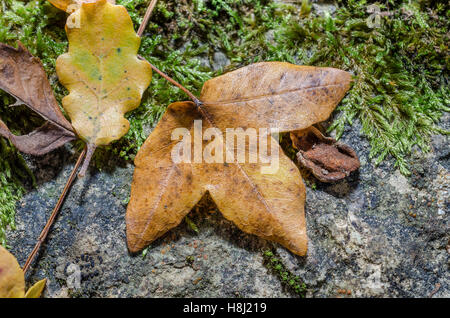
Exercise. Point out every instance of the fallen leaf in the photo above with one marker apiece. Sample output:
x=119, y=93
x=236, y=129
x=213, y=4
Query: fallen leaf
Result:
x=65, y=4
x=102, y=72
x=12, y=281
x=22, y=76
x=274, y=94
x=35, y=291
x=264, y=95
x=327, y=159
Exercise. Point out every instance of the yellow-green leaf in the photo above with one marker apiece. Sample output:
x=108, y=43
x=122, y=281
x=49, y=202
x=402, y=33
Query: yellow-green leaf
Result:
x=102, y=71
x=35, y=291
x=12, y=282
x=65, y=4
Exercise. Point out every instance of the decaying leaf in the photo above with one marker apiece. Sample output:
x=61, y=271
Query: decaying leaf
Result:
x=264, y=95
x=102, y=72
x=35, y=291
x=65, y=5
x=12, y=281
x=22, y=76
x=327, y=159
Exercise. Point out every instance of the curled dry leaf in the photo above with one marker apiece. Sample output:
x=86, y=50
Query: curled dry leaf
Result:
x=12, y=281
x=264, y=95
x=65, y=5
x=102, y=72
x=327, y=159
x=22, y=76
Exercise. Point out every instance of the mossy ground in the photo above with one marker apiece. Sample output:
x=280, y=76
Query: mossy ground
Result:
x=400, y=66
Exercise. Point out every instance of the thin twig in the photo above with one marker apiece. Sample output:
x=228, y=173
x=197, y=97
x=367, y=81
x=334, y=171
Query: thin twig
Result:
x=146, y=17
x=171, y=80
x=164, y=75
x=50, y=221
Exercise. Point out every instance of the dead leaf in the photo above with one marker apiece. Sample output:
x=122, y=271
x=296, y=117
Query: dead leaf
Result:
x=263, y=95
x=327, y=159
x=35, y=291
x=65, y=4
x=22, y=76
x=102, y=72
x=274, y=94
x=12, y=281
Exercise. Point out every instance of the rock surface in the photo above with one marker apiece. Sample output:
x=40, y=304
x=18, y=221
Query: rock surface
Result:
x=377, y=233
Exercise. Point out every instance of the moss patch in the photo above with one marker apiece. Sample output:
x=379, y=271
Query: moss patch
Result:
x=290, y=281
x=12, y=171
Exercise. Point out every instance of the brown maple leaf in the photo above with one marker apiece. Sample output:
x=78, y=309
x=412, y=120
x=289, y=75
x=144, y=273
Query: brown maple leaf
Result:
x=264, y=95
x=22, y=76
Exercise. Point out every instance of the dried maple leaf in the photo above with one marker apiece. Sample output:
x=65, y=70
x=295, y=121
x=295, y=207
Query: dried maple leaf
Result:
x=65, y=4
x=264, y=95
x=102, y=72
x=327, y=159
x=12, y=281
x=22, y=76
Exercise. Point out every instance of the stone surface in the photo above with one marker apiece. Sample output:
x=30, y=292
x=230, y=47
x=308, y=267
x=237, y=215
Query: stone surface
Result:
x=378, y=233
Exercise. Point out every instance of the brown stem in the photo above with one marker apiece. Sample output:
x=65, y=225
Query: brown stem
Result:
x=171, y=80
x=167, y=77
x=50, y=221
x=146, y=17
x=89, y=153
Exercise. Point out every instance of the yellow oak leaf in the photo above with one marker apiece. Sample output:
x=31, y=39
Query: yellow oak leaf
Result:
x=70, y=5
x=102, y=72
x=12, y=281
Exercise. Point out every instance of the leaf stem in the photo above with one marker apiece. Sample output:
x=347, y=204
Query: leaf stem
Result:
x=51, y=220
x=171, y=80
x=90, y=149
x=140, y=31
x=148, y=13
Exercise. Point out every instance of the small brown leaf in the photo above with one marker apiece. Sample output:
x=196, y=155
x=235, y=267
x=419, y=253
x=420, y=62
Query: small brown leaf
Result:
x=327, y=159
x=264, y=95
x=40, y=141
x=22, y=76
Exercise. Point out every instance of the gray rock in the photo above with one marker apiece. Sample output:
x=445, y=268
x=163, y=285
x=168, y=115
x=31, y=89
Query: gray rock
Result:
x=377, y=233
x=220, y=60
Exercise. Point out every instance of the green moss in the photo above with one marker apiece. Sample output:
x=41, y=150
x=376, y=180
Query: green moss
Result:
x=401, y=67
x=289, y=280
x=12, y=167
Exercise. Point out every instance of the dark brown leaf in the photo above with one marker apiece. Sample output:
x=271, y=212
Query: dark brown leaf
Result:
x=327, y=159
x=22, y=76
x=40, y=141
